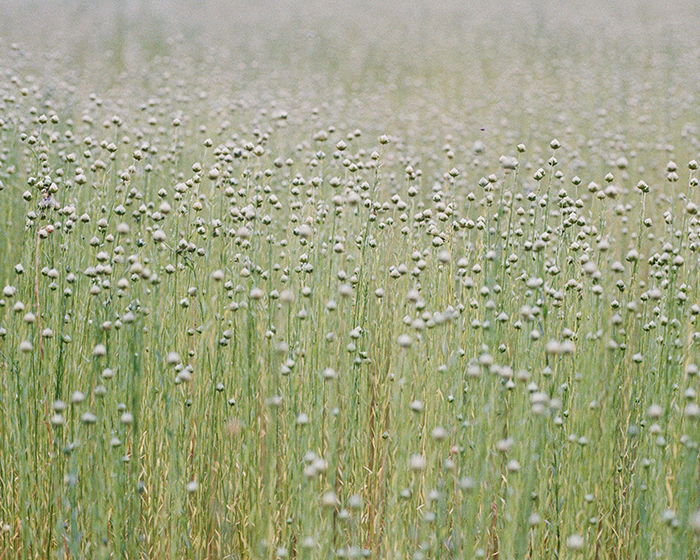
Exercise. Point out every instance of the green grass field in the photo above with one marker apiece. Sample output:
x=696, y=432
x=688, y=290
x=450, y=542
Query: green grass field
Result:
x=310, y=280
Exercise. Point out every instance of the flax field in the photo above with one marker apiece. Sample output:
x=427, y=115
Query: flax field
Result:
x=315, y=280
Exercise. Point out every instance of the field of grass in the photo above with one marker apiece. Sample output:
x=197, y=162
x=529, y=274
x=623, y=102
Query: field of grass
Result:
x=320, y=280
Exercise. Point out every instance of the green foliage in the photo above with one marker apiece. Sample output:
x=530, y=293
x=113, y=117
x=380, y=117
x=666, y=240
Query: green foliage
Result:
x=295, y=286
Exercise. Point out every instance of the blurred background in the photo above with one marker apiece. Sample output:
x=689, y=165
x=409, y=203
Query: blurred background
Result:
x=526, y=69
x=356, y=36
